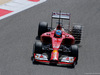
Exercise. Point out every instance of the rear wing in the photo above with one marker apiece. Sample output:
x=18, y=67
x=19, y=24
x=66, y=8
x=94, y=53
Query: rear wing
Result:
x=58, y=15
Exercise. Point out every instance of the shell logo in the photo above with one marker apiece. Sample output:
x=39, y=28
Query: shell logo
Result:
x=55, y=51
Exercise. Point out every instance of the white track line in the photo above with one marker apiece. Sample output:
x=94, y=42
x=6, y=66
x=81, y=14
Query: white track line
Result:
x=18, y=6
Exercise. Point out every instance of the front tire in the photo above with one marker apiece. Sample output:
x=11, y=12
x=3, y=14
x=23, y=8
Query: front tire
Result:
x=37, y=48
x=74, y=51
x=73, y=65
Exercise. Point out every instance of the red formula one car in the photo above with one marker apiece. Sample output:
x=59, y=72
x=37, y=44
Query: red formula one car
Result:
x=57, y=45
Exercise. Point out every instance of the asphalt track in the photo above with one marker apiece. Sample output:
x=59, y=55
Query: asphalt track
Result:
x=18, y=33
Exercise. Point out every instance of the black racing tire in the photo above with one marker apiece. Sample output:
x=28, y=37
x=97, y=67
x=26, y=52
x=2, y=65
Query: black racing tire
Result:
x=74, y=51
x=73, y=65
x=33, y=60
x=77, y=32
x=43, y=27
x=37, y=47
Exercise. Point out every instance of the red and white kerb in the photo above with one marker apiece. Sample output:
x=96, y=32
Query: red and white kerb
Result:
x=16, y=6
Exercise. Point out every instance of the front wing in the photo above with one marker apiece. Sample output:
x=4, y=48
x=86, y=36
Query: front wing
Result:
x=66, y=60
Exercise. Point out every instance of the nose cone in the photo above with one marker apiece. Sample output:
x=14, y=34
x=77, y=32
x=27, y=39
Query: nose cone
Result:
x=54, y=55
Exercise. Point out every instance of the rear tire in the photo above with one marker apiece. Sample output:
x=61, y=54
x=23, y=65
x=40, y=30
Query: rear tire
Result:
x=43, y=27
x=76, y=32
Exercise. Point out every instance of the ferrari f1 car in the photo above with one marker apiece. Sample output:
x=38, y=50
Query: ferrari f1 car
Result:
x=57, y=45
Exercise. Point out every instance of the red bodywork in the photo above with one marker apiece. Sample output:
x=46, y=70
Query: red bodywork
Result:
x=49, y=38
x=65, y=39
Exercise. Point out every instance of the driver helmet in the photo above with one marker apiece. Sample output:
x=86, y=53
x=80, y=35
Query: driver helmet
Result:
x=58, y=33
